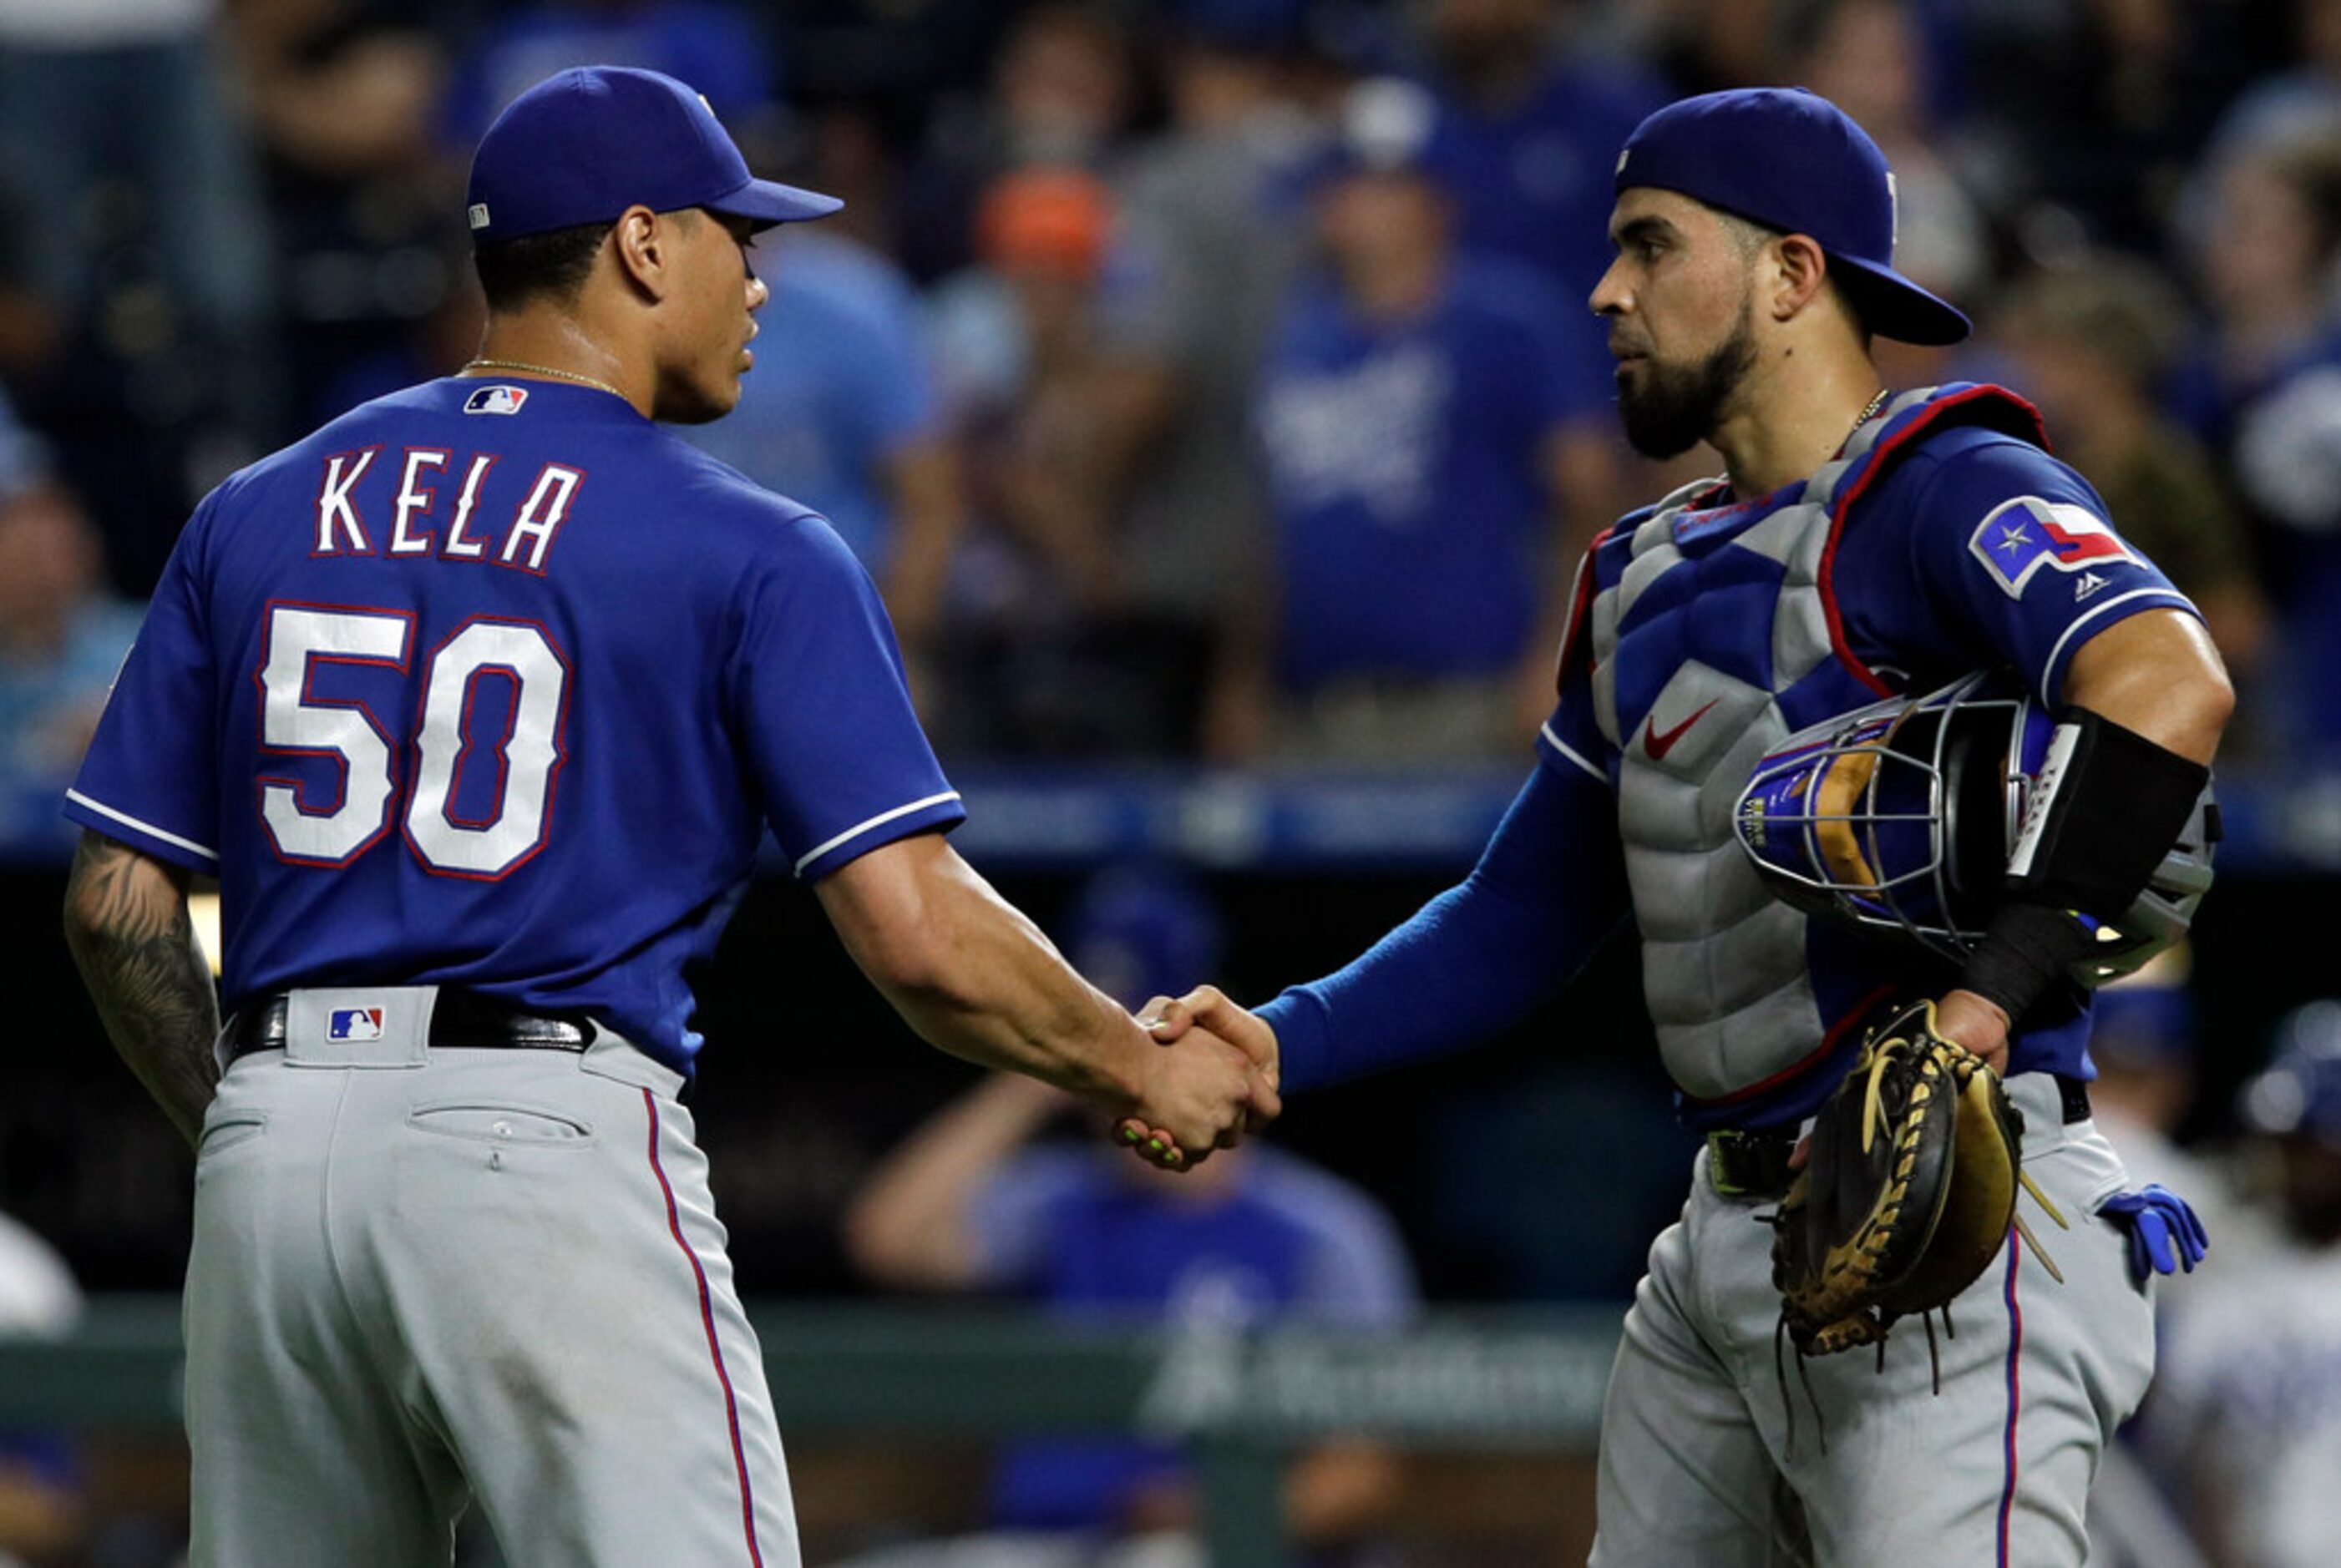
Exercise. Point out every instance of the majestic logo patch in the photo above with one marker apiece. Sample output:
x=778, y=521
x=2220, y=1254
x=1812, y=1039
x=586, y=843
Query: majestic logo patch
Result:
x=497, y=398
x=2023, y=535
x=354, y=1024
x=2090, y=582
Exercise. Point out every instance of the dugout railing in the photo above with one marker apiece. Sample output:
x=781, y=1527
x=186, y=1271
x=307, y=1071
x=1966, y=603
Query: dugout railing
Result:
x=1456, y=1380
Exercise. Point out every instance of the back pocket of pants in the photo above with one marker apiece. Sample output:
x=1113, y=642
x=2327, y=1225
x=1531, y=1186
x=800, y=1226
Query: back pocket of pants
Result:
x=508, y=1126
x=223, y=1130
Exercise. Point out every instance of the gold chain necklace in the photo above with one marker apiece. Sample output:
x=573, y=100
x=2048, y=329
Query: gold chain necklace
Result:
x=549, y=370
x=1869, y=411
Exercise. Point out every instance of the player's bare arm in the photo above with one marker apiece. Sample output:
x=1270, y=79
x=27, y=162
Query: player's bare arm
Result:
x=2159, y=676
x=912, y=1226
x=974, y=976
x=126, y=922
x=2156, y=674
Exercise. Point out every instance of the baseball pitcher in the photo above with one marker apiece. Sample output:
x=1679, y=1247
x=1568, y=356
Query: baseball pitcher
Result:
x=478, y=702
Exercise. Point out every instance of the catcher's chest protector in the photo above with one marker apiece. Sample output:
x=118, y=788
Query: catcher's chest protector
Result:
x=1714, y=639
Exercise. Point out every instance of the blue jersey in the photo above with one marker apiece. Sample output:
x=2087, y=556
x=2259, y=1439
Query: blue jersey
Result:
x=1406, y=467
x=498, y=685
x=1099, y=1241
x=1972, y=550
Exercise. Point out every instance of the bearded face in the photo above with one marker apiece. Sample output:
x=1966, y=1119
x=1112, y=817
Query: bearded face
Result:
x=1670, y=406
x=1680, y=303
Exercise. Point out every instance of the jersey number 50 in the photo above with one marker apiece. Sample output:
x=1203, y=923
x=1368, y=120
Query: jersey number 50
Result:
x=295, y=722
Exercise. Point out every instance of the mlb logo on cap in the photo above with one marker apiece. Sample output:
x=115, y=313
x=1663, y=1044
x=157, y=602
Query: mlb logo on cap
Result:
x=2023, y=535
x=354, y=1024
x=499, y=399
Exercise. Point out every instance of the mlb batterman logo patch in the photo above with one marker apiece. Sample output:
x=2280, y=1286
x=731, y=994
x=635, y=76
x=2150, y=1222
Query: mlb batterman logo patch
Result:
x=497, y=398
x=354, y=1024
x=2021, y=536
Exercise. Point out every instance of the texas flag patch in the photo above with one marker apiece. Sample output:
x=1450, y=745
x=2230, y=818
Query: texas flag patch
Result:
x=2023, y=535
x=497, y=398
x=354, y=1024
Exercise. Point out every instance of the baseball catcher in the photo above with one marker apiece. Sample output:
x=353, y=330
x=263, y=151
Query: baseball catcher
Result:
x=1862, y=541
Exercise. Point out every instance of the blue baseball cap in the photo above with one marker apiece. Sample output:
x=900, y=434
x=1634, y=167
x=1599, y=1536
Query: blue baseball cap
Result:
x=585, y=145
x=1791, y=160
x=1142, y=930
x=1384, y=125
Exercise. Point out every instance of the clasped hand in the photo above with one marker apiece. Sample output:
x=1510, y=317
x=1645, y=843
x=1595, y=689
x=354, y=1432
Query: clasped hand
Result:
x=1213, y=1081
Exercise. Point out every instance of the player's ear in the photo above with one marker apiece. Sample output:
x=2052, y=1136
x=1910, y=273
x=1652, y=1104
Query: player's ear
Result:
x=643, y=240
x=1795, y=273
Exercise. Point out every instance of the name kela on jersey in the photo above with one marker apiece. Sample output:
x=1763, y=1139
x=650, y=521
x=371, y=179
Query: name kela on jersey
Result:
x=350, y=523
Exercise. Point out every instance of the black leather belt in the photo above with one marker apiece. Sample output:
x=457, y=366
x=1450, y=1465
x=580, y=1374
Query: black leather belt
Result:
x=2075, y=1093
x=460, y=1020
x=1754, y=1162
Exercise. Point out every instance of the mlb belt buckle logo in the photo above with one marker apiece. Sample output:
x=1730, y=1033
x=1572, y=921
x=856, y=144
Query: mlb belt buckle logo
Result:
x=497, y=398
x=354, y=1024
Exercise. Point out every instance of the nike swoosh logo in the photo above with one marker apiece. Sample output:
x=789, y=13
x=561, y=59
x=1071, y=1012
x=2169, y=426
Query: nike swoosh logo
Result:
x=1658, y=742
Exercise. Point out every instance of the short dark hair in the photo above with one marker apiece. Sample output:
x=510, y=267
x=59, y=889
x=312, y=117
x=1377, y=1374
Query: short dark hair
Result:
x=555, y=263
x=1745, y=234
x=1749, y=236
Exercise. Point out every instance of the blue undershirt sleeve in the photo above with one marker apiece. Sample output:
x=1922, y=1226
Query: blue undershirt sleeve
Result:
x=1549, y=889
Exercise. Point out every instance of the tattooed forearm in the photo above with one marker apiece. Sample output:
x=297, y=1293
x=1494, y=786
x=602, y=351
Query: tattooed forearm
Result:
x=126, y=923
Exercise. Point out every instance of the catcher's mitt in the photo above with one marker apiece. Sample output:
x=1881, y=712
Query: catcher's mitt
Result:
x=1906, y=1194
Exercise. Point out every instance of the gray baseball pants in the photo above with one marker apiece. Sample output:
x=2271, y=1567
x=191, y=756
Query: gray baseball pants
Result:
x=1698, y=1464
x=424, y=1277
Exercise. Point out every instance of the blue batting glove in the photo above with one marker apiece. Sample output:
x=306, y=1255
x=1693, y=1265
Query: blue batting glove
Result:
x=2165, y=1233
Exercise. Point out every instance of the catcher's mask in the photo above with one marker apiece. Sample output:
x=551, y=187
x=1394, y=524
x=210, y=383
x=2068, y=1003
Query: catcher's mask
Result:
x=1900, y=817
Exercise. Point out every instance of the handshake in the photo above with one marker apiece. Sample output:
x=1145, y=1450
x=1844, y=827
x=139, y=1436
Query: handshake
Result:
x=1210, y=1079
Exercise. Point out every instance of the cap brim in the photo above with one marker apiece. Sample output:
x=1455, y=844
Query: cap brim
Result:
x=1892, y=307
x=768, y=202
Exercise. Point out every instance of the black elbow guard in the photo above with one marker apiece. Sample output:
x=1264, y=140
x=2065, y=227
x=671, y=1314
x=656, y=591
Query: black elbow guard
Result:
x=2106, y=807
x=2099, y=823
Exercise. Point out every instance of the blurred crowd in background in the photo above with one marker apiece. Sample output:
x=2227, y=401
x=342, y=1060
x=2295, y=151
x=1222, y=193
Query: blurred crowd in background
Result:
x=1213, y=380
x=1200, y=377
